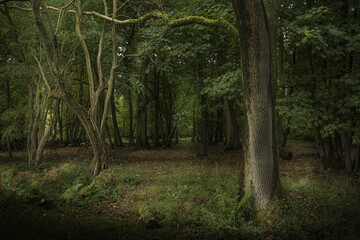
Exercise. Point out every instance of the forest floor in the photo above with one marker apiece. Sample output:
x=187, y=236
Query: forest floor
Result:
x=171, y=194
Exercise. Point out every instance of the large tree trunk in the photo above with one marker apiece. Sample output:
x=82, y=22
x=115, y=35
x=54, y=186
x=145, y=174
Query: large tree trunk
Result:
x=259, y=170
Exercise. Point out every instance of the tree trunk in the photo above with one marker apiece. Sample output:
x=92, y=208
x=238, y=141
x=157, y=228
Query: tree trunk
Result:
x=131, y=120
x=218, y=130
x=141, y=115
x=156, y=130
x=357, y=157
x=285, y=136
x=109, y=136
x=347, y=135
x=204, y=135
x=193, y=135
x=45, y=137
x=117, y=137
x=232, y=130
x=259, y=170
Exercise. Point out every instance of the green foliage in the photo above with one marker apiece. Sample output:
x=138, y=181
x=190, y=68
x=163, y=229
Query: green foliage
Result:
x=228, y=84
x=69, y=184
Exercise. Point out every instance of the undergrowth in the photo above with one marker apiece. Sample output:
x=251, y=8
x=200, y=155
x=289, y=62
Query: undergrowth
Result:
x=193, y=200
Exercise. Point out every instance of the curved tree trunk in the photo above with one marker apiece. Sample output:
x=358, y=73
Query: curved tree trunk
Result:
x=45, y=137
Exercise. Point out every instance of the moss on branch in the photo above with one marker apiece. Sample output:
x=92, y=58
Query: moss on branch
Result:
x=172, y=23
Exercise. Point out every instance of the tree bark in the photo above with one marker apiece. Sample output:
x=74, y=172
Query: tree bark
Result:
x=193, y=135
x=117, y=137
x=347, y=135
x=232, y=129
x=131, y=120
x=141, y=114
x=204, y=135
x=156, y=127
x=259, y=170
x=45, y=137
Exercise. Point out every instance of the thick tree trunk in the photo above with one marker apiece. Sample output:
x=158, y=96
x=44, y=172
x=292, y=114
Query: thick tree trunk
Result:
x=259, y=170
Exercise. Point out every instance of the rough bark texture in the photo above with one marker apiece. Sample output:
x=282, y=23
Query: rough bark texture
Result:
x=255, y=49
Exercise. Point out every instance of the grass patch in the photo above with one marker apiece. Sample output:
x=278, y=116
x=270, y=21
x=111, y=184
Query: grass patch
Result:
x=191, y=199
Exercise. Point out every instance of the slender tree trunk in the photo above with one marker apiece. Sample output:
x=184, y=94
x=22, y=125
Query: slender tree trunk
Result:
x=156, y=130
x=117, y=137
x=193, y=135
x=8, y=142
x=347, y=135
x=204, y=135
x=141, y=115
x=218, y=130
x=232, y=130
x=131, y=120
x=45, y=137
x=59, y=117
x=109, y=135
x=357, y=157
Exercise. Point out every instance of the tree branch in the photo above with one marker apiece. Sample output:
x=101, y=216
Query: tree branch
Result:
x=171, y=23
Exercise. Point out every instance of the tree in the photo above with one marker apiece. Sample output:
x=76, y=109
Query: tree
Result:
x=259, y=163
x=259, y=173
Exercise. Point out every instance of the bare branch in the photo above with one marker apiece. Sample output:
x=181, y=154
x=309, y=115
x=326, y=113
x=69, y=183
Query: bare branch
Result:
x=61, y=14
x=50, y=92
x=43, y=74
x=71, y=59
